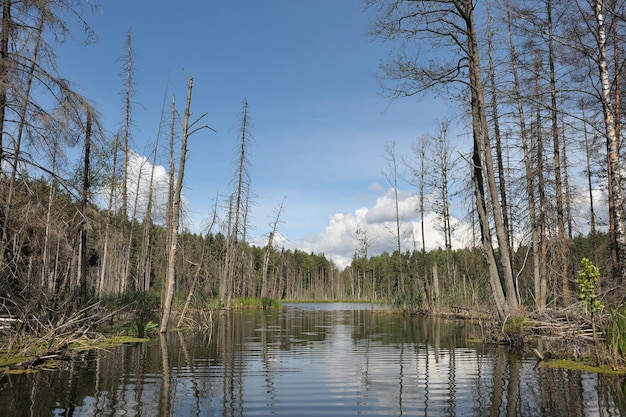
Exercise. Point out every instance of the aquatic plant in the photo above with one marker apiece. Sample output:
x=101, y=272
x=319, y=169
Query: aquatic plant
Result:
x=268, y=302
x=142, y=328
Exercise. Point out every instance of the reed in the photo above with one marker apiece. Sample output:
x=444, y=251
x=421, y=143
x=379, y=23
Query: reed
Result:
x=615, y=332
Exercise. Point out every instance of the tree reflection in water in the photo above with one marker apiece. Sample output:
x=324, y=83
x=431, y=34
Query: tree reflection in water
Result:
x=312, y=361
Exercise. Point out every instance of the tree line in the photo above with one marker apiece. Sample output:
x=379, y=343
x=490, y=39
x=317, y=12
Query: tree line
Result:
x=539, y=83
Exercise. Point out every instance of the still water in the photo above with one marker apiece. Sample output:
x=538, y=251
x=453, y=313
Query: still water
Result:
x=312, y=359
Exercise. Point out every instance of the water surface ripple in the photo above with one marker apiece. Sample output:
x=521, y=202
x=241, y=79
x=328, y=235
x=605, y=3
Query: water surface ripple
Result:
x=313, y=360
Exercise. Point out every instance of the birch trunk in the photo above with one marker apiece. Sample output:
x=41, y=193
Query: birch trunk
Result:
x=612, y=141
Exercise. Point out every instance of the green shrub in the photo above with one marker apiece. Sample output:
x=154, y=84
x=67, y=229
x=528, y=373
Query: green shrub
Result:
x=587, y=280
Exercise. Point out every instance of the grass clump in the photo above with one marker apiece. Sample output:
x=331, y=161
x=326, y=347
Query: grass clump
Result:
x=615, y=332
x=514, y=326
x=255, y=303
x=140, y=312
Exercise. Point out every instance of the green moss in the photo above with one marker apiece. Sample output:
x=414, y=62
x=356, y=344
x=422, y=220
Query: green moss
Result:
x=107, y=342
x=587, y=366
x=6, y=361
x=10, y=364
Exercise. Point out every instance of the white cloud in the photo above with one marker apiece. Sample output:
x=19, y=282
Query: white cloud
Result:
x=138, y=184
x=339, y=242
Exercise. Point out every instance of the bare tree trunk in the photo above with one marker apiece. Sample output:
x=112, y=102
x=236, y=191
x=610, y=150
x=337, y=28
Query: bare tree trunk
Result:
x=567, y=192
x=144, y=261
x=503, y=285
x=419, y=151
x=557, y=164
x=592, y=215
x=144, y=264
x=126, y=229
x=171, y=262
x=268, y=249
x=241, y=199
x=615, y=258
x=107, y=234
x=82, y=292
x=444, y=166
x=192, y=289
x=226, y=282
x=5, y=31
x=128, y=110
x=539, y=280
x=21, y=124
x=392, y=178
x=171, y=186
x=436, y=296
x=612, y=141
x=451, y=24
x=496, y=132
x=47, y=279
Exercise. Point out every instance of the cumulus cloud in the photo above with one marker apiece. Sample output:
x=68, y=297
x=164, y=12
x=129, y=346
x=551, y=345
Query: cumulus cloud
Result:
x=339, y=241
x=138, y=184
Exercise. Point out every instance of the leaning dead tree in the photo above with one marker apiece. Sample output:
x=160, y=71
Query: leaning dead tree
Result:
x=269, y=247
x=189, y=128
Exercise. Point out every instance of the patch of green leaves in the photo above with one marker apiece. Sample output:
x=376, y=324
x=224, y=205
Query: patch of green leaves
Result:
x=587, y=280
x=514, y=325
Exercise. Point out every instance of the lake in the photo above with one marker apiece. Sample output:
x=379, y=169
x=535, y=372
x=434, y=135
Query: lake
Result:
x=312, y=360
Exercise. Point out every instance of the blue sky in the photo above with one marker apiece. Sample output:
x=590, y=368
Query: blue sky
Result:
x=308, y=71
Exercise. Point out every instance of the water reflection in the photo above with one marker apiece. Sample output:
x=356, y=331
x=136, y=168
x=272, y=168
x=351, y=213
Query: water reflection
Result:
x=312, y=360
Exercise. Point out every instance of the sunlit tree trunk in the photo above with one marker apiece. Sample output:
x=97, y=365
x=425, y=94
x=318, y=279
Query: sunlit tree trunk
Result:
x=612, y=140
x=170, y=280
x=615, y=259
x=502, y=282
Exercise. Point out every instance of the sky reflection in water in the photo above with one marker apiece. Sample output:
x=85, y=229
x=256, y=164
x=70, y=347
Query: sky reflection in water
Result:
x=316, y=359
